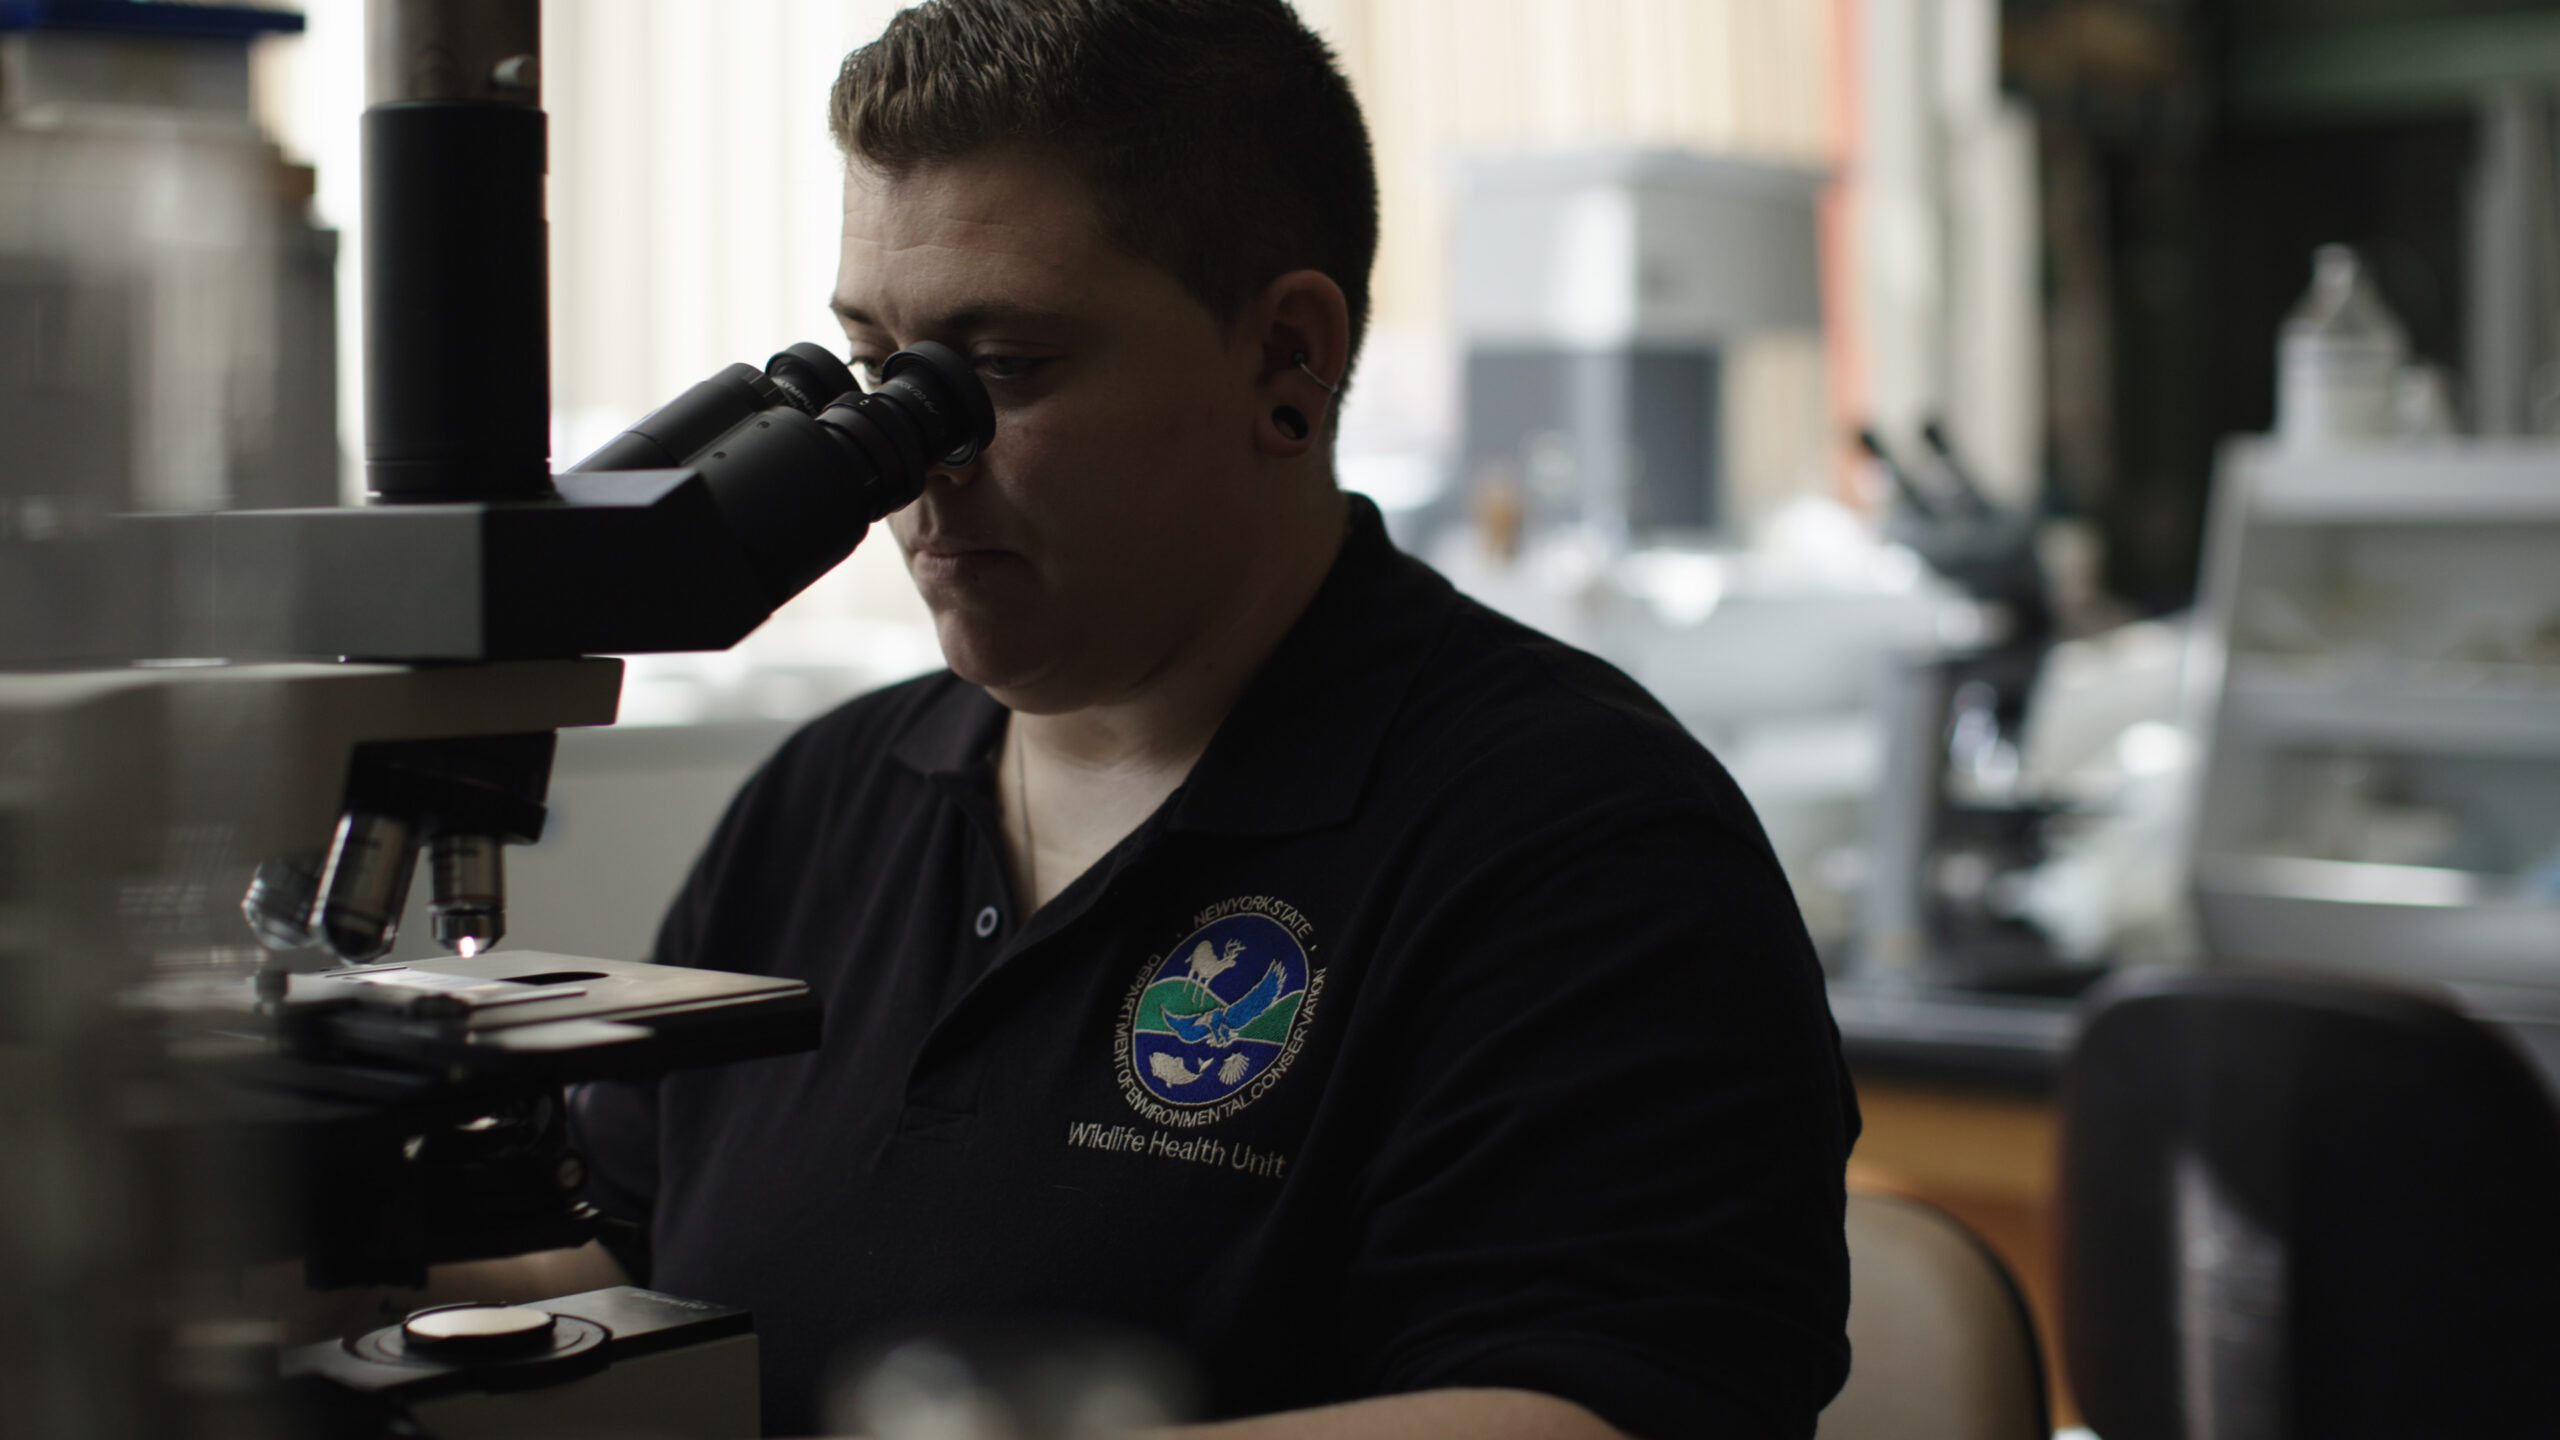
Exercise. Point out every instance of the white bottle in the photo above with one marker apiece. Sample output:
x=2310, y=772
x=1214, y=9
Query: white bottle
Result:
x=2338, y=357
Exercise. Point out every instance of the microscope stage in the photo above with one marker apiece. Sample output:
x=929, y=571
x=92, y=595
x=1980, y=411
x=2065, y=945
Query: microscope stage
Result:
x=518, y=1011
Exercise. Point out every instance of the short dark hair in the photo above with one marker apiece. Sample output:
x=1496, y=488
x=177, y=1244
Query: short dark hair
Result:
x=1218, y=137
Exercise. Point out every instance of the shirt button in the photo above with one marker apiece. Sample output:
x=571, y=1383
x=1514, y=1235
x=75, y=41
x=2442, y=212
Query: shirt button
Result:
x=988, y=919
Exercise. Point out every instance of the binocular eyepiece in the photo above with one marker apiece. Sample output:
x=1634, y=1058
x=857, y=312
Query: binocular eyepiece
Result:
x=800, y=460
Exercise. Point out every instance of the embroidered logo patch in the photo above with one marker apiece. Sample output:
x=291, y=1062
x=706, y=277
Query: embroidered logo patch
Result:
x=1213, y=1023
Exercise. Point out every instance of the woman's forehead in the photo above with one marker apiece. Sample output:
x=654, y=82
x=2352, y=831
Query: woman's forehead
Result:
x=1005, y=234
x=997, y=207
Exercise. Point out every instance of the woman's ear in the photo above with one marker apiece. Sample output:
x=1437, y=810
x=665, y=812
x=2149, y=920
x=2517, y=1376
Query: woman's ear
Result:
x=1303, y=325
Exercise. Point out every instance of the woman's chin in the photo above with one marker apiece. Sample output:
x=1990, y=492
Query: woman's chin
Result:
x=990, y=654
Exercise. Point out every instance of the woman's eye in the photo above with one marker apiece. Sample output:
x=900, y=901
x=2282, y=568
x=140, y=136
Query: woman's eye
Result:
x=1009, y=367
x=866, y=372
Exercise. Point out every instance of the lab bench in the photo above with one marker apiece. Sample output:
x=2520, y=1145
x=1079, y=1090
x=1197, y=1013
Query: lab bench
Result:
x=1955, y=1094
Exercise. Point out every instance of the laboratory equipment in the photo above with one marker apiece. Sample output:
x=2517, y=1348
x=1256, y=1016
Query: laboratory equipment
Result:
x=168, y=305
x=1595, y=293
x=169, y=302
x=2339, y=357
x=2377, y=678
x=1952, y=832
x=618, y=1361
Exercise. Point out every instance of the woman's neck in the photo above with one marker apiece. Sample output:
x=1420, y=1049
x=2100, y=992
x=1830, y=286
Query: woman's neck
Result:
x=1074, y=783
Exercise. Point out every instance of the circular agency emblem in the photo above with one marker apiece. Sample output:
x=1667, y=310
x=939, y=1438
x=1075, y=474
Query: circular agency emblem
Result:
x=1219, y=1017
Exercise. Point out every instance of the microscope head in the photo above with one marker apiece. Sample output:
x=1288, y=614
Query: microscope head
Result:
x=790, y=465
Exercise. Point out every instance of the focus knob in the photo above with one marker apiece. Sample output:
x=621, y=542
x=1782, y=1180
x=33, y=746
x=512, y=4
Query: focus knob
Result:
x=478, y=1332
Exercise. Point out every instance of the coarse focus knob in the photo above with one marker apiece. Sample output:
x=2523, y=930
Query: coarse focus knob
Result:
x=478, y=1331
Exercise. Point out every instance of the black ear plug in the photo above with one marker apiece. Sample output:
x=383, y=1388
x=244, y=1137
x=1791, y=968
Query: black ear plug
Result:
x=1292, y=423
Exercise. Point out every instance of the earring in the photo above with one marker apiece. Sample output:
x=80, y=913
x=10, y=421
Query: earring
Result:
x=1291, y=422
x=1300, y=360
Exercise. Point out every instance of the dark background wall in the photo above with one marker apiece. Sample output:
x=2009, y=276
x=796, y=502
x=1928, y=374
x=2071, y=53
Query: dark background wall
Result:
x=2193, y=153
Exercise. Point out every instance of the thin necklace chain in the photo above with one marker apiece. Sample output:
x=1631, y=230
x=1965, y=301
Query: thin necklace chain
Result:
x=1022, y=811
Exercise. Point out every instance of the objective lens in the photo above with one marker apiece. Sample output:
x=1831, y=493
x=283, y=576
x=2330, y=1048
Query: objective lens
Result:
x=469, y=911
x=280, y=900
x=365, y=885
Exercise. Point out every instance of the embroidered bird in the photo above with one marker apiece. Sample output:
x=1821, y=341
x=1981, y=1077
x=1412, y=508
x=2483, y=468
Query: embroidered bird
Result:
x=1219, y=1027
x=1171, y=1070
x=1206, y=967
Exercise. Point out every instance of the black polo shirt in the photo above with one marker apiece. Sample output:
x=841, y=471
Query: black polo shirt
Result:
x=1452, y=1026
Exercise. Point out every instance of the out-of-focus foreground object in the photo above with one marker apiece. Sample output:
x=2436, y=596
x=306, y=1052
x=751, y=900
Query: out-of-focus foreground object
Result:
x=166, y=302
x=2292, y=1207
x=1013, y=1380
x=195, y=1080
x=167, y=308
x=1940, y=1341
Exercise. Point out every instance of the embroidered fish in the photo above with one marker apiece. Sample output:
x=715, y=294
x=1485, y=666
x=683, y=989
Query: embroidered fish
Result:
x=1219, y=1027
x=1171, y=1070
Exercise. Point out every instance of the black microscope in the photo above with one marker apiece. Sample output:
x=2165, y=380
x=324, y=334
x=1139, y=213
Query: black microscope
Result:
x=366, y=686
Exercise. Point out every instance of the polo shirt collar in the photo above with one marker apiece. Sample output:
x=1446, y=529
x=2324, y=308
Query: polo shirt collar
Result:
x=953, y=734
x=1295, y=753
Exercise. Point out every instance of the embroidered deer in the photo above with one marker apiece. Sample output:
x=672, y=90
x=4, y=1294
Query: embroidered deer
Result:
x=1206, y=967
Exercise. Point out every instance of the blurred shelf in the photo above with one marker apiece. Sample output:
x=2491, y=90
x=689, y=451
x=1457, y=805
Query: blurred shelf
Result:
x=2439, y=707
x=2403, y=921
x=2350, y=882
x=2468, y=481
x=2423, y=62
x=2458, y=534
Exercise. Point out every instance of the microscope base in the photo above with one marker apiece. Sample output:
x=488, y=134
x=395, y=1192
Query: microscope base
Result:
x=630, y=1362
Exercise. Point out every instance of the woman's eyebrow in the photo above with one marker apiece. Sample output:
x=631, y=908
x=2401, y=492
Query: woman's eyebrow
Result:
x=966, y=316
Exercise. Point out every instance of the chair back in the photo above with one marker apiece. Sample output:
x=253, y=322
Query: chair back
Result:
x=2298, y=1207
x=1940, y=1344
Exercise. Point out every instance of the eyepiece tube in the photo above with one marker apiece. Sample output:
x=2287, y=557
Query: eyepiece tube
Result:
x=951, y=406
x=929, y=410
x=670, y=435
x=809, y=376
x=800, y=462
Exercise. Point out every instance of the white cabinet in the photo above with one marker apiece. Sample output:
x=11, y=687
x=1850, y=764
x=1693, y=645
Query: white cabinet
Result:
x=2380, y=682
